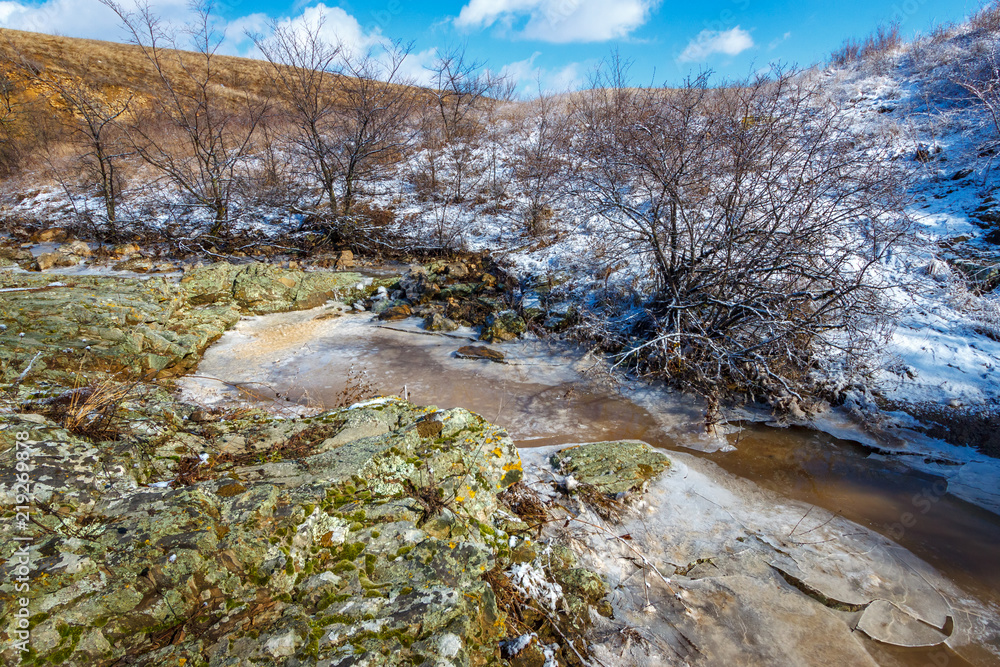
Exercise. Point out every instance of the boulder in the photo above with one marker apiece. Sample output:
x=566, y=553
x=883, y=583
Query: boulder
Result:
x=438, y=322
x=263, y=288
x=503, y=326
x=77, y=248
x=456, y=270
x=344, y=260
x=125, y=250
x=395, y=313
x=51, y=260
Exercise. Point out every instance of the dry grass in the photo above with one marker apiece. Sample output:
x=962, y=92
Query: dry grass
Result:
x=509, y=600
x=526, y=504
x=119, y=69
x=116, y=68
x=879, y=43
x=92, y=410
x=357, y=387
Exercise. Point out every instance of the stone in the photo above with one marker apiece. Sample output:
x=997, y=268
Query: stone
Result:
x=480, y=352
x=618, y=467
x=503, y=326
x=438, y=322
x=52, y=260
x=395, y=313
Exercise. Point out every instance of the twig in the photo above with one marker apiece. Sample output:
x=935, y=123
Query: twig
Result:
x=24, y=374
x=426, y=333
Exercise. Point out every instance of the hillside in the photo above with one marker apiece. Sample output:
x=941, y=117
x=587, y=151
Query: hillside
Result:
x=112, y=67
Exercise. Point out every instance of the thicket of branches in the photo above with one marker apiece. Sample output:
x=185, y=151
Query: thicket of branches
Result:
x=746, y=219
x=755, y=215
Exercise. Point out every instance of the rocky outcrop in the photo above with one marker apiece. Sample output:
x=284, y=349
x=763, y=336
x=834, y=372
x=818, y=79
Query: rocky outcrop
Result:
x=264, y=288
x=356, y=535
x=136, y=328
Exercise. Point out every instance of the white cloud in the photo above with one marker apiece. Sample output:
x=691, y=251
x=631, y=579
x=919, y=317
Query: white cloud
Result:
x=530, y=79
x=339, y=27
x=776, y=42
x=710, y=42
x=558, y=21
x=73, y=18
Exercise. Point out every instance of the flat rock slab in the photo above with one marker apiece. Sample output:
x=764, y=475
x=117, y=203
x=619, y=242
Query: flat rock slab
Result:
x=617, y=467
x=480, y=352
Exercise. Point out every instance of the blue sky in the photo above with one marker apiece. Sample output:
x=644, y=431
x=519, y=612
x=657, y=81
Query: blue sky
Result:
x=556, y=42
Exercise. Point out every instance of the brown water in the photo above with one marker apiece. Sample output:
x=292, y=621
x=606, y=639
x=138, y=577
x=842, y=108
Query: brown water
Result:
x=553, y=395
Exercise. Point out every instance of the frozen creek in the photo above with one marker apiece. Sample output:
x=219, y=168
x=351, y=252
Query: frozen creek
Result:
x=813, y=550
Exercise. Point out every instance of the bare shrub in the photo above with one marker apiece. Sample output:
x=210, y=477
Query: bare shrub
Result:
x=358, y=386
x=875, y=46
x=539, y=162
x=756, y=221
x=987, y=17
x=101, y=148
x=979, y=78
x=453, y=169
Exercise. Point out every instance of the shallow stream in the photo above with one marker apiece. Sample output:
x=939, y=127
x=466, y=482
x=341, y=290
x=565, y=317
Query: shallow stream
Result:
x=550, y=394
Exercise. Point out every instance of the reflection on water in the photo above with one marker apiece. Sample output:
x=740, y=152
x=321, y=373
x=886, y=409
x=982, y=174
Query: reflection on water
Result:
x=551, y=394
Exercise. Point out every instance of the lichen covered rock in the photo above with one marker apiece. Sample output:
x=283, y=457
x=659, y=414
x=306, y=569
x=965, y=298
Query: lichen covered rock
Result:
x=617, y=467
x=503, y=326
x=264, y=288
x=359, y=534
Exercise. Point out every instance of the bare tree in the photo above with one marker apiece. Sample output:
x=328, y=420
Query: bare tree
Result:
x=539, y=161
x=350, y=110
x=94, y=122
x=217, y=122
x=374, y=125
x=463, y=92
x=305, y=69
x=759, y=219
